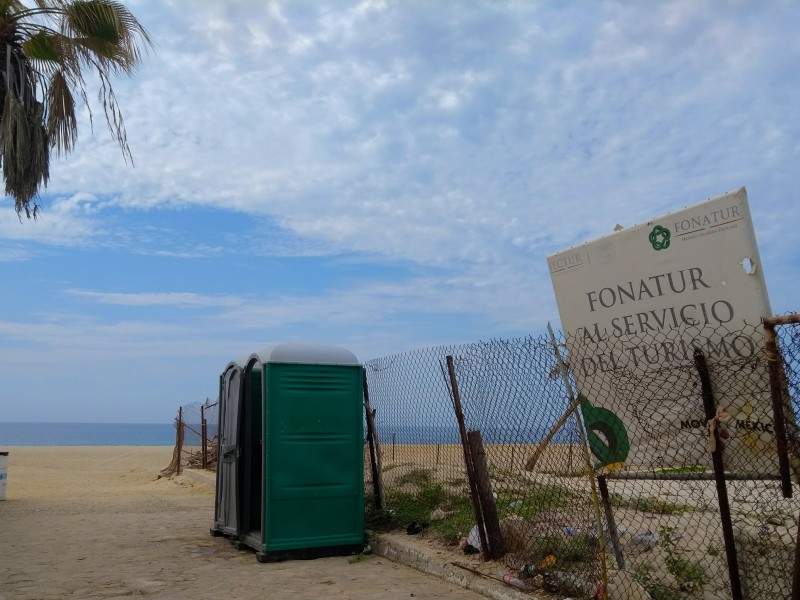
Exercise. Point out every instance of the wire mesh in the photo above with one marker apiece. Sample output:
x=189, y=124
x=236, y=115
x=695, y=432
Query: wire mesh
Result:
x=661, y=483
x=511, y=393
x=196, y=439
x=649, y=517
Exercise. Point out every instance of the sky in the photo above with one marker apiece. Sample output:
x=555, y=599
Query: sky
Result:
x=378, y=175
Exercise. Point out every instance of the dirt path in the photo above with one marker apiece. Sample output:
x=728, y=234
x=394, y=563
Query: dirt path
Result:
x=94, y=522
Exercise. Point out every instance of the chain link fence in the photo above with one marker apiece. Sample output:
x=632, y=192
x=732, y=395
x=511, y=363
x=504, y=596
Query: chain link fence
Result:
x=647, y=506
x=196, y=438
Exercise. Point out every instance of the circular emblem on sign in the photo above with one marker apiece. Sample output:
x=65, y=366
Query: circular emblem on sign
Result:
x=659, y=238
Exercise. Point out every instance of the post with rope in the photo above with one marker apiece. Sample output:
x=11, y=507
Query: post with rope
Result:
x=714, y=415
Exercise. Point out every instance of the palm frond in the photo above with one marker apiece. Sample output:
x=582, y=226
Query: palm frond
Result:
x=46, y=47
x=62, y=125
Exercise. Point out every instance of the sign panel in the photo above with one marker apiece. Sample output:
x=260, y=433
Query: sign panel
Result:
x=636, y=303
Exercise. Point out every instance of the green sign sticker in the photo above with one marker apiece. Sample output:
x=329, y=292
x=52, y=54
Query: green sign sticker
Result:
x=659, y=237
x=613, y=446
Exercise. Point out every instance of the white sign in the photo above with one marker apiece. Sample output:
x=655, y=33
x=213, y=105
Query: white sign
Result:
x=636, y=303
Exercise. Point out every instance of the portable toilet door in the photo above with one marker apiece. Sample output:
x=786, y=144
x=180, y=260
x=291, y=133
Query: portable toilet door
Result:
x=310, y=500
x=226, y=505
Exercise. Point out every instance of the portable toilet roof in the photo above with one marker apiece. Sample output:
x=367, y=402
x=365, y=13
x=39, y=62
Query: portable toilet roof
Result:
x=308, y=354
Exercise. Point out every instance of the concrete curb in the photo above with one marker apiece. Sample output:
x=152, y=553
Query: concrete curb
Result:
x=410, y=557
x=200, y=476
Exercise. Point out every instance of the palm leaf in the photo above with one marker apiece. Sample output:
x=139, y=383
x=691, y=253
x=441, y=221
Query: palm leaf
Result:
x=42, y=46
x=62, y=125
x=95, y=19
x=47, y=47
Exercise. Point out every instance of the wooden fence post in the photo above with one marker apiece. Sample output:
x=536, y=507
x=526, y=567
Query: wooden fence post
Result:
x=473, y=487
x=484, y=484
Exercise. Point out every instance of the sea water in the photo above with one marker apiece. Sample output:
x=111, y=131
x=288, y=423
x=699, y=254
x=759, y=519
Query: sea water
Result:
x=86, y=434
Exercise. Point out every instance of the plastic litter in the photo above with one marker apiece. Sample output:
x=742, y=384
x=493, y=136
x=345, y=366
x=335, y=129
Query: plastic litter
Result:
x=563, y=582
x=474, y=538
x=510, y=579
x=643, y=542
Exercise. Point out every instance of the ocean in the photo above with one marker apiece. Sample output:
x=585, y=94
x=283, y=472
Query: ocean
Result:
x=87, y=434
x=163, y=434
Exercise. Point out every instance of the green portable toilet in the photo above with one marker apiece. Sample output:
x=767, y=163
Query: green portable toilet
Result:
x=299, y=484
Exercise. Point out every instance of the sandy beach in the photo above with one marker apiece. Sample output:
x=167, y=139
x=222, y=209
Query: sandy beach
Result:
x=98, y=522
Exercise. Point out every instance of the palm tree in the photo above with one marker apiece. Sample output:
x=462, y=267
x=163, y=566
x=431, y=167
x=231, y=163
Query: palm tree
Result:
x=45, y=52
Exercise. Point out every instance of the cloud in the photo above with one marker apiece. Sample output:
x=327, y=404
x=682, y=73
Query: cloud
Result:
x=393, y=174
x=186, y=300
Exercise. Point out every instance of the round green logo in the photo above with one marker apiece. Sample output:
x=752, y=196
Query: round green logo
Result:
x=659, y=238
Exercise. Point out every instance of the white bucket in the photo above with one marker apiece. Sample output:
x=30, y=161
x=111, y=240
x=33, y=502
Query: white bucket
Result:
x=3, y=474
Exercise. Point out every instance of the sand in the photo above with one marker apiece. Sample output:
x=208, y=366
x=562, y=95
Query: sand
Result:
x=97, y=522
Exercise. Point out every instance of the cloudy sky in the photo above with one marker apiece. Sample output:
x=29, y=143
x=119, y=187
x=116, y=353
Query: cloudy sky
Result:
x=380, y=175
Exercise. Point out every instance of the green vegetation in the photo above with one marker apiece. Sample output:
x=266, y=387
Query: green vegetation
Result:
x=685, y=571
x=415, y=494
x=579, y=548
x=356, y=559
x=417, y=505
x=419, y=477
x=534, y=500
x=681, y=470
x=657, y=591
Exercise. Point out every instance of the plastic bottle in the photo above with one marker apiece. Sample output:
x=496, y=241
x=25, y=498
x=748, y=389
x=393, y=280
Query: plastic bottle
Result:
x=511, y=580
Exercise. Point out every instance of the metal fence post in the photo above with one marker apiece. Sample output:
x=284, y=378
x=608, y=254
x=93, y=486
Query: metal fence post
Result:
x=204, y=437
x=776, y=391
x=719, y=476
x=179, y=440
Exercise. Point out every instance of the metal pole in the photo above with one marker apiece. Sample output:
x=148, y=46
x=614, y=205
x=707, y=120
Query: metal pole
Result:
x=719, y=476
x=180, y=440
x=612, y=524
x=462, y=429
x=204, y=436
x=776, y=392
